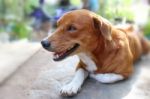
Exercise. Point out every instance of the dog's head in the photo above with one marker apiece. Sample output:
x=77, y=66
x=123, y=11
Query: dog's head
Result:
x=77, y=31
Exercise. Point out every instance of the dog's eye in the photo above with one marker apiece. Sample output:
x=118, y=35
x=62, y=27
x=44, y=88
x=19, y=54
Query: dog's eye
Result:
x=71, y=28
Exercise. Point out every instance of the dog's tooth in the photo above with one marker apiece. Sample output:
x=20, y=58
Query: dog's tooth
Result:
x=71, y=46
x=60, y=54
x=57, y=56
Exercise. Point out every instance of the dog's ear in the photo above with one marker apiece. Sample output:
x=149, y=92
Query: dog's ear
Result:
x=103, y=26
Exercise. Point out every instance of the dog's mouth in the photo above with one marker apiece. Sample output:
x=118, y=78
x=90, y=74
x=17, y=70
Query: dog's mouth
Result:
x=62, y=55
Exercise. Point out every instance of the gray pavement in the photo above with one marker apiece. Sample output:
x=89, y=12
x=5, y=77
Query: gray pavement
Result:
x=41, y=78
x=14, y=54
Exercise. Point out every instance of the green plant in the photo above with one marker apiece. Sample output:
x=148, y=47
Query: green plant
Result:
x=116, y=8
x=28, y=4
x=20, y=30
x=146, y=28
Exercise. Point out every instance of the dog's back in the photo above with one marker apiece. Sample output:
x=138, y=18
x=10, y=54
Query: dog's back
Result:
x=138, y=43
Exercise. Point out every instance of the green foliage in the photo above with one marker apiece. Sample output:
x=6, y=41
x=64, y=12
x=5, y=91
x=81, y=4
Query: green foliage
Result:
x=16, y=28
x=116, y=8
x=20, y=30
x=146, y=28
x=2, y=30
x=13, y=13
x=125, y=12
x=28, y=5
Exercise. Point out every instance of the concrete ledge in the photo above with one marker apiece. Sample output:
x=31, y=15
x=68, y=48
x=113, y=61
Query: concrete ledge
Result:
x=12, y=55
x=40, y=78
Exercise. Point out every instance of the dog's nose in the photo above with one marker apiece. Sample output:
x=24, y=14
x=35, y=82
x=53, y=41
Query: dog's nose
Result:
x=45, y=44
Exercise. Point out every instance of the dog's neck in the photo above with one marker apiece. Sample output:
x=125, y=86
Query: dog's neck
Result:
x=97, y=56
x=102, y=51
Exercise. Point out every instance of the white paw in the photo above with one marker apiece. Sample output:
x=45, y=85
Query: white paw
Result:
x=69, y=90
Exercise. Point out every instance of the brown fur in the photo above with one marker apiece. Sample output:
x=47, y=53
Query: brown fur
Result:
x=114, y=50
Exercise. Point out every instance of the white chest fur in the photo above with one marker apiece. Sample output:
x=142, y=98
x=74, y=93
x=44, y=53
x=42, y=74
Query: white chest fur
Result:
x=90, y=64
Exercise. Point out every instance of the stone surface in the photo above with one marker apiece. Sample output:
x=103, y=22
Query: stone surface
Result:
x=41, y=78
x=13, y=54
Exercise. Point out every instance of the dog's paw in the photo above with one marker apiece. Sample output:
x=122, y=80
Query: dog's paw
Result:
x=69, y=90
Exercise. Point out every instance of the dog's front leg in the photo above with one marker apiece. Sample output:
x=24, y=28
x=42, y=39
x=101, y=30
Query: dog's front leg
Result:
x=74, y=86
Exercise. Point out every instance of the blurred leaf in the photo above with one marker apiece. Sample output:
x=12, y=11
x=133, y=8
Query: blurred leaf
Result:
x=20, y=30
x=116, y=8
x=29, y=4
x=146, y=28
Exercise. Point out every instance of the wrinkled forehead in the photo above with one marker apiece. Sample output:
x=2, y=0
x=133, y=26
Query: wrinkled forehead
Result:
x=74, y=17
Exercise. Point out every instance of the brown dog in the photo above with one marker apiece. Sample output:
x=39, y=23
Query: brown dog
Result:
x=106, y=53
